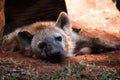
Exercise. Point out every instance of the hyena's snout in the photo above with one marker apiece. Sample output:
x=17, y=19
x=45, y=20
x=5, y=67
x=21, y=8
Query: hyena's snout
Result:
x=53, y=51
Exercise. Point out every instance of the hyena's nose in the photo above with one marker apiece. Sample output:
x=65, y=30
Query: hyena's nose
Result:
x=55, y=57
x=55, y=53
x=42, y=45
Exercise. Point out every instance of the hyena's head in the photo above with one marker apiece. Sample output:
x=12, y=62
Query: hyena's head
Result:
x=51, y=43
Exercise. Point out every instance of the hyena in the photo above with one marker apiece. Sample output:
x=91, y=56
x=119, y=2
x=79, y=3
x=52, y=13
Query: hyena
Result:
x=54, y=41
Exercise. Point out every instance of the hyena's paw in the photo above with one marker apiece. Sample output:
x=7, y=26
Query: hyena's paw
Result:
x=27, y=53
x=84, y=51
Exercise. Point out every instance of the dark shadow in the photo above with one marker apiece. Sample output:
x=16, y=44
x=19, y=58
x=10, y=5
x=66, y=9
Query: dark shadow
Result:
x=25, y=12
x=117, y=3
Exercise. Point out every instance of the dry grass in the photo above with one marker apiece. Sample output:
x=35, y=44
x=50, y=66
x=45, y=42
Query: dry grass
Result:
x=83, y=72
x=78, y=71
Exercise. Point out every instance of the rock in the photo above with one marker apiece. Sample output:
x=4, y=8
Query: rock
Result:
x=95, y=16
x=2, y=19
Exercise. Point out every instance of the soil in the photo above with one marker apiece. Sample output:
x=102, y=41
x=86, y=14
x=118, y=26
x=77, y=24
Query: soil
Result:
x=110, y=59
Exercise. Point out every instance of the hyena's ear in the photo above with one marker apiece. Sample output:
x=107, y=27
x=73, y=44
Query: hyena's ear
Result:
x=25, y=39
x=63, y=21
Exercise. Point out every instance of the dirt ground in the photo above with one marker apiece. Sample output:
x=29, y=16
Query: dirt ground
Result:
x=107, y=28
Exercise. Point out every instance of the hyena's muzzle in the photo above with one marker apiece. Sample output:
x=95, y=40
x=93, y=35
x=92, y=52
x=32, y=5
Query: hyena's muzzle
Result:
x=53, y=50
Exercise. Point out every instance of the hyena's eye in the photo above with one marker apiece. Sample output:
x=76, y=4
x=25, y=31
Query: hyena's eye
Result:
x=58, y=38
x=42, y=45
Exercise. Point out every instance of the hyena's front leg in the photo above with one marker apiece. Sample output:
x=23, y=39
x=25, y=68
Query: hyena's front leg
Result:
x=83, y=51
x=88, y=45
x=9, y=42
